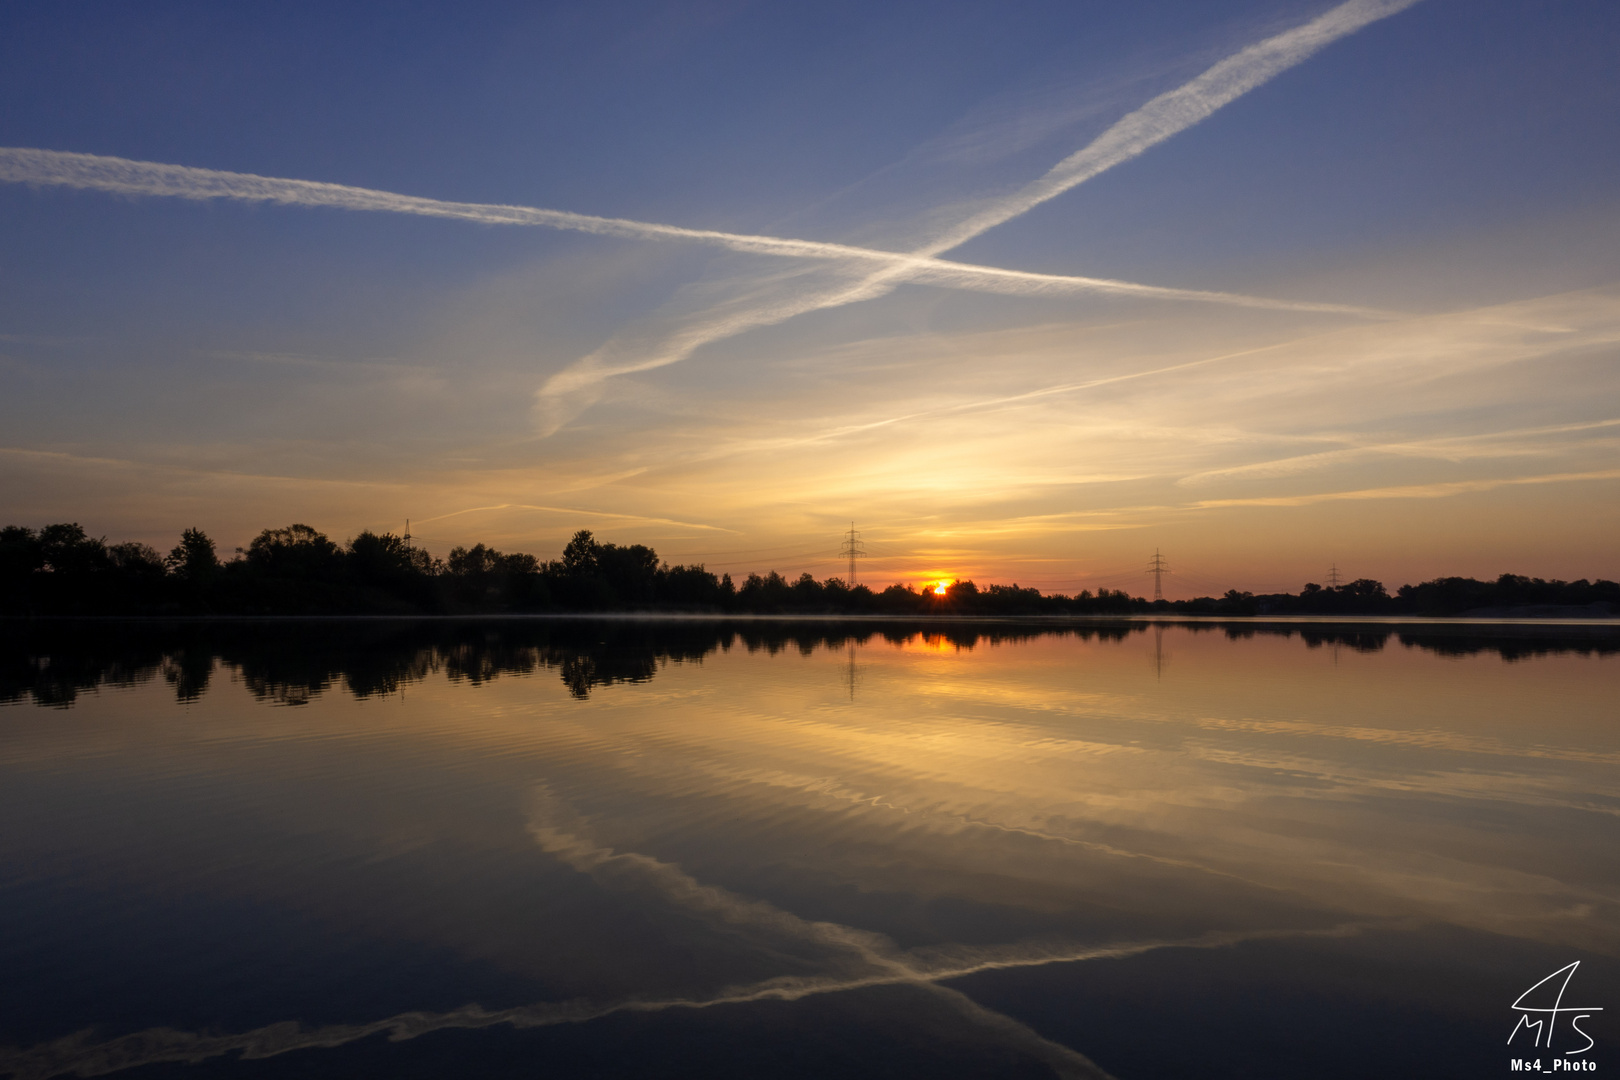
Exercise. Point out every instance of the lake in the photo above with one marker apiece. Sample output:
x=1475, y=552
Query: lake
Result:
x=797, y=849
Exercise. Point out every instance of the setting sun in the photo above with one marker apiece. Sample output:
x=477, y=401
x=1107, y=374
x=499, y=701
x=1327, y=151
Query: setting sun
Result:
x=582, y=491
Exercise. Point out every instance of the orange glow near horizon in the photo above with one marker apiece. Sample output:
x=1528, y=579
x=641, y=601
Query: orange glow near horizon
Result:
x=943, y=586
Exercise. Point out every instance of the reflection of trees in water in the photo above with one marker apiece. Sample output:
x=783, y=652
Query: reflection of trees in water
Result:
x=292, y=662
x=188, y=671
x=1510, y=642
x=582, y=671
x=1362, y=641
x=288, y=669
x=56, y=676
x=479, y=662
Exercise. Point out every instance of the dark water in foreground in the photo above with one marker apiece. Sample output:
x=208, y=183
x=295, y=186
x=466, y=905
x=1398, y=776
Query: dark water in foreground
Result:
x=642, y=849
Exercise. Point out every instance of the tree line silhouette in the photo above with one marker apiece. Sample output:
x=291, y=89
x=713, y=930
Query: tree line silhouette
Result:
x=297, y=570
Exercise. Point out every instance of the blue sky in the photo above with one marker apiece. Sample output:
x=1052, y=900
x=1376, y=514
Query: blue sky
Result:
x=236, y=365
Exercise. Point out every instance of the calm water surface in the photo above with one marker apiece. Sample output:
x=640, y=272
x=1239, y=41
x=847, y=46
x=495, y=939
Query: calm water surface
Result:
x=686, y=849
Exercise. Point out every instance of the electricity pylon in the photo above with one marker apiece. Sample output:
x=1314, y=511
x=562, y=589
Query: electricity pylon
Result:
x=1333, y=577
x=1157, y=568
x=852, y=550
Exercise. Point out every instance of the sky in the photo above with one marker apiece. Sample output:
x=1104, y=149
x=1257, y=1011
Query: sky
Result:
x=1025, y=292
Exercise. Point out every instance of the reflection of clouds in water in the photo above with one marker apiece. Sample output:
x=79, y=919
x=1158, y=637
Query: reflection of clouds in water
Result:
x=1413, y=737
x=927, y=816
x=566, y=839
x=1321, y=777
x=1445, y=887
x=1219, y=797
x=869, y=959
x=851, y=959
x=1046, y=782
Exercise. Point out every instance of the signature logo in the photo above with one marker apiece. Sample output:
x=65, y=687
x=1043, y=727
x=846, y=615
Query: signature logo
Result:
x=1543, y=1018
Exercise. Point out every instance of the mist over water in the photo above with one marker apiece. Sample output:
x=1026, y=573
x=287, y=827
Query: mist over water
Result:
x=574, y=847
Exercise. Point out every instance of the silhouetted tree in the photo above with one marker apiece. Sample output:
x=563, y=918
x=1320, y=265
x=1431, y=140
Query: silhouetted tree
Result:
x=694, y=587
x=296, y=551
x=392, y=571
x=481, y=578
x=631, y=573
x=580, y=557
x=1365, y=589
x=193, y=558
x=385, y=559
x=807, y=592
x=770, y=593
x=68, y=551
x=20, y=559
x=62, y=570
x=1238, y=603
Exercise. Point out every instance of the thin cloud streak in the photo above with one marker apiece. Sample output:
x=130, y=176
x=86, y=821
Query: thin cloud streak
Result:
x=754, y=446
x=1167, y=434
x=1449, y=448
x=846, y=430
x=1410, y=491
x=1133, y=135
x=1024, y=525
x=81, y=460
x=24, y=165
x=576, y=510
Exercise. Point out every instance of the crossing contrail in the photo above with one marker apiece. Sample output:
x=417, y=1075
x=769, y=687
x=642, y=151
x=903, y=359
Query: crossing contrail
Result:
x=867, y=273
x=23, y=165
x=1131, y=136
x=1176, y=111
x=853, y=959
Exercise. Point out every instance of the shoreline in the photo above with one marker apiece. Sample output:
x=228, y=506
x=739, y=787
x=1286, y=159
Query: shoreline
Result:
x=827, y=617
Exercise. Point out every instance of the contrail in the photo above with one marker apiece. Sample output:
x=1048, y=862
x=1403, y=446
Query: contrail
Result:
x=1154, y=122
x=81, y=1054
x=22, y=165
x=1176, y=111
x=877, y=961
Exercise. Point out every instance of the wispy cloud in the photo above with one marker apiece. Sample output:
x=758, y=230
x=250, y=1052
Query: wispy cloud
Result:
x=1421, y=348
x=1411, y=491
x=1134, y=134
x=1047, y=431
x=850, y=273
x=574, y=511
x=998, y=402
x=1518, y=442
x=83, y=461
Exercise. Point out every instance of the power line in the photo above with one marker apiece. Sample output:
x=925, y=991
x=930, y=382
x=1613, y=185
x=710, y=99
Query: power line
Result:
x=1157, y=568
x=852, y=549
